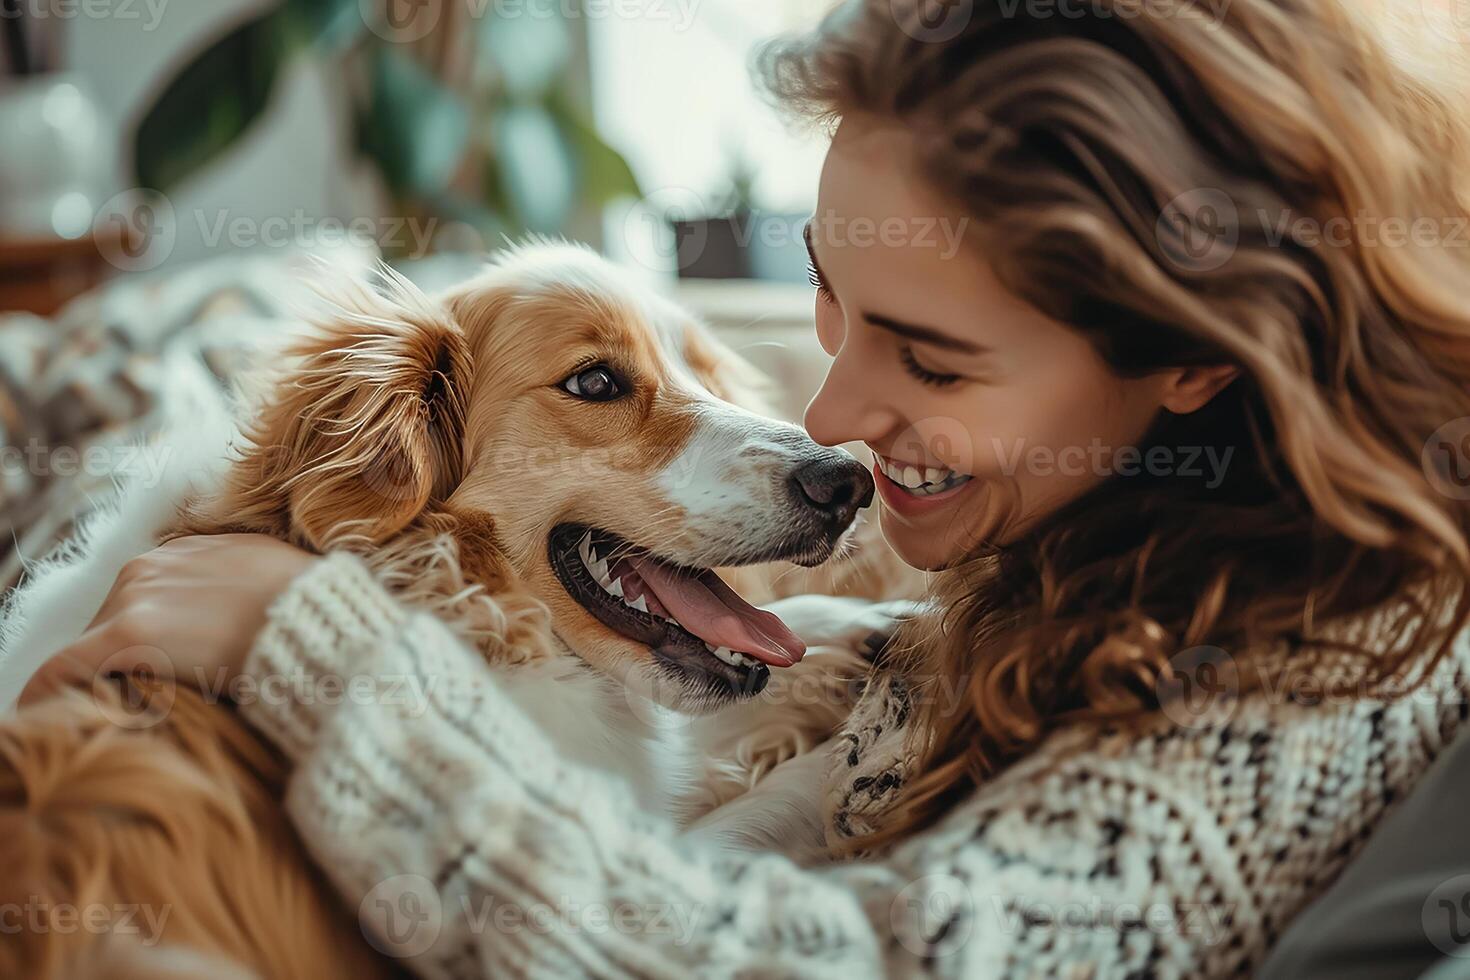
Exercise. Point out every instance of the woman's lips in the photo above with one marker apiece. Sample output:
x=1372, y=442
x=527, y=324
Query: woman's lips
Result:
x=900, y=501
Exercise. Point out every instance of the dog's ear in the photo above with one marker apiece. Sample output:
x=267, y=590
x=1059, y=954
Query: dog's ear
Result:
x=365, y=428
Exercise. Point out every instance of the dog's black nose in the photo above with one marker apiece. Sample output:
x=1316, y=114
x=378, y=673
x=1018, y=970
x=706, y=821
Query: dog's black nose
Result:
x=835, y=484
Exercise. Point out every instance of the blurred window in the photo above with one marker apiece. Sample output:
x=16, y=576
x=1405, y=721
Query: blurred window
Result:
x=673, y=89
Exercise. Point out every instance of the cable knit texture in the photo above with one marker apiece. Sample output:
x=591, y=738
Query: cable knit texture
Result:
x=471, y=850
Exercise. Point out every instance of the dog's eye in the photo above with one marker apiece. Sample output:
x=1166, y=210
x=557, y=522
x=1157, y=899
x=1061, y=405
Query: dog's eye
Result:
x=595, y=384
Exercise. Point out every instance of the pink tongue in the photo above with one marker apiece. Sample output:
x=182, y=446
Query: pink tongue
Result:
x=708, y=608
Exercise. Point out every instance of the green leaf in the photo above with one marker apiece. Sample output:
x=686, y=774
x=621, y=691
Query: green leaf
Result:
x=413, y=128
x=328, y=24
x=536, y=166
x=523, y=55
x=214, y=99
x=603, y=174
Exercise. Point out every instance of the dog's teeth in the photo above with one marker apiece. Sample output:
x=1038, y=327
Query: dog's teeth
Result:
x=726, y=654
x=616, y=587
x=640, y=603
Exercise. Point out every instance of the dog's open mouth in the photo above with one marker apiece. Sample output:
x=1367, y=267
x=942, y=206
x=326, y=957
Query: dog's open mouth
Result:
x=688, y=617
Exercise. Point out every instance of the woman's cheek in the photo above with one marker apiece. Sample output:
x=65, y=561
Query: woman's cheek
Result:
x=830, y=327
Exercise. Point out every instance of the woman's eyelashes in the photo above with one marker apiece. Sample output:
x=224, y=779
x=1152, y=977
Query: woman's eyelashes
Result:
x=932, y=378
x=905, y=353
x=814, y=276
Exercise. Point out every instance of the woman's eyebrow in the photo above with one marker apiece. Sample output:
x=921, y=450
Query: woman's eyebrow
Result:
x=913, y=331
x=927, y=335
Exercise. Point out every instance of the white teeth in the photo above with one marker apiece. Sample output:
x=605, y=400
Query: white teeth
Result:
x=616, y=588
x=640, y=603
x=584, y=548
x=921, y=482
x=597, y=567
x=733, y=657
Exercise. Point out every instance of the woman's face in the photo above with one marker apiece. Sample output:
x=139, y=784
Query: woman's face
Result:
x=984, y=415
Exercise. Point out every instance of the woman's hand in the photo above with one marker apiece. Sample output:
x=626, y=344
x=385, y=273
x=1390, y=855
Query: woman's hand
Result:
x=190, y=608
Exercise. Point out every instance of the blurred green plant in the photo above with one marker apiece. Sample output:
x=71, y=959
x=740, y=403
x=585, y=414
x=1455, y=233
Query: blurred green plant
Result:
x=505, y=148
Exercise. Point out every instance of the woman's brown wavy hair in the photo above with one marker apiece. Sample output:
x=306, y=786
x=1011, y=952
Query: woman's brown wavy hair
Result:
x=1139, y=172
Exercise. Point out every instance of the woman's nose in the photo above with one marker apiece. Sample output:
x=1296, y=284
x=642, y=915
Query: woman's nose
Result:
x=846, y=408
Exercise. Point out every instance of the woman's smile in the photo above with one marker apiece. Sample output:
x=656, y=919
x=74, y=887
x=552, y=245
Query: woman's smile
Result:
x=913, y=490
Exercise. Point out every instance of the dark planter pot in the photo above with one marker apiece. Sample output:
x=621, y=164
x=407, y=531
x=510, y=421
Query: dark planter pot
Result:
x=746, y=245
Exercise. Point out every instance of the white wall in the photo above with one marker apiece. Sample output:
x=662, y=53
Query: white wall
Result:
x=296, y=157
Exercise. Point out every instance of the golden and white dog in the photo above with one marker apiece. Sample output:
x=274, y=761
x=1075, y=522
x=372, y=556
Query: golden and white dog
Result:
x=549, y=458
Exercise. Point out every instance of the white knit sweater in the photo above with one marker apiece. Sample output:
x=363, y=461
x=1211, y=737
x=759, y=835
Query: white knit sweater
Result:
x=471, y=850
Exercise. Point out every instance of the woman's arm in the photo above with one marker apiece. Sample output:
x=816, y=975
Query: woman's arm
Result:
x=469, y=848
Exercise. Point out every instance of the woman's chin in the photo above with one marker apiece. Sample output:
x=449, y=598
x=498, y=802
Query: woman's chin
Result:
x=919, y=547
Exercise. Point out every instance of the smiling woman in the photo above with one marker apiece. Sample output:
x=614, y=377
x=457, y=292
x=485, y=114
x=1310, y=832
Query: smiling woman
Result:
x=1150, y=709
x=949, y=344
x=1120, y=299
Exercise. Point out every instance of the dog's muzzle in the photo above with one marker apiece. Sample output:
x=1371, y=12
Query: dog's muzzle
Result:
x=833, y=488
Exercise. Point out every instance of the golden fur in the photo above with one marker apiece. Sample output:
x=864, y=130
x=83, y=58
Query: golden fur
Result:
x=428, y=438
x=164, y=820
